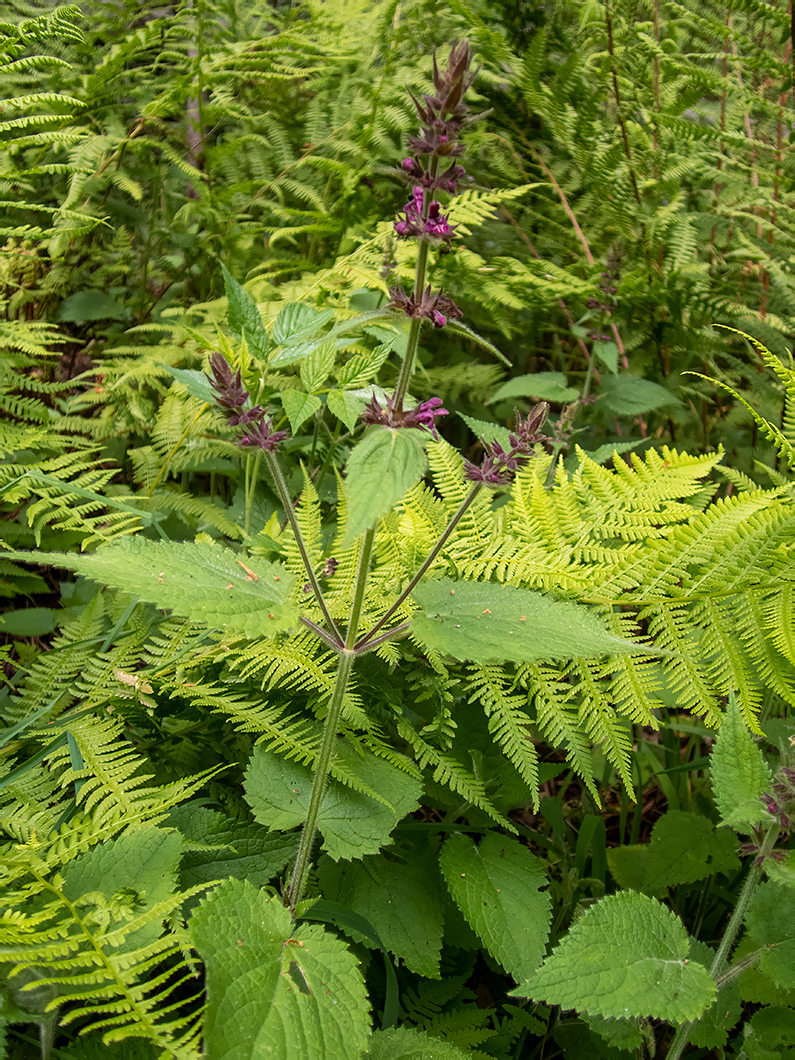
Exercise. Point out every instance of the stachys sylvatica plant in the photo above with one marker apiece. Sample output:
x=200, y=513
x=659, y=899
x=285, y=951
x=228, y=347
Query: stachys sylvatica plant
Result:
x=353, y=641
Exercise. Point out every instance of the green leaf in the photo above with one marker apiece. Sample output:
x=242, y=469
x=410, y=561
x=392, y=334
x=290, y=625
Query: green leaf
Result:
x=479, y=621
x=772, y=1034
x=607, y=352
x=138, y=870
x=346, y=407
x=628, y=395
x=297, y=322
x=628, y=865
x=83, y=306
x=546, y=386
x=620, y=1034
x=739, y=772
x=352, y=824
x=357, y=927
x=206, y=583
x=316, y=367
x=299, y=406
x=626, y=956
x=218, y=847
x=381, y=468
x=399, y=898
x=685, y=847
x=404, y=1043
x=771, y=924
x=496, y=885
x=275, y=989
x=27, y=622
x=712, y=1030
x=197, y=383
x=242, y=315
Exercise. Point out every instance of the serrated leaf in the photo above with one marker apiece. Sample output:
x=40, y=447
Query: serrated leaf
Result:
x=315, y=368
x=629, y=395
x=607, y=353
x=352, y=824
x=405, y=1043
x=480, y=621
x=358, y=927
x=381, y=468
x=346, y=407
x=496, y=885
x=771, y=923
x=274, y=988
x=206, y=583
x=218, y=847
x=299, y=406
x=626, y=956
x=139, y=867
x=739, y=772
x=772, y=1034
x=620, y=1034
x=685, y=847
x=712, y=1030
x=298, y=322
x=242, y=315
x=400, y=899
x=546, y=386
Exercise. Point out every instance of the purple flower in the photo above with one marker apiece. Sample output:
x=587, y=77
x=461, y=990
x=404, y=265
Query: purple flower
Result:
x=411, y=224
x=437, y=224
x=498, y=463
x=228, y=386
x=249, y=416
x=489, y=473
x=422, y=415
x=260, y=436
x=231, y=396
x=437, y=308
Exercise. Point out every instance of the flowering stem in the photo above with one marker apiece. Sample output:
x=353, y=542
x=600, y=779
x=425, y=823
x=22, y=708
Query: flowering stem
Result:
x=366, y=641
x=679, y=1043
x=407, y=368
x=331, y=726
x=284, y=496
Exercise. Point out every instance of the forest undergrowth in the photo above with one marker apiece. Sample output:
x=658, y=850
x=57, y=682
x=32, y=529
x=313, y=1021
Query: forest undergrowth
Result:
x=397, y=433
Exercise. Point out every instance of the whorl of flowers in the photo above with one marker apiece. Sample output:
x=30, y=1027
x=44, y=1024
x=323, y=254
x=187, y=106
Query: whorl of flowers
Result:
x=499, y=464
x=422, y=415
x=231, y=396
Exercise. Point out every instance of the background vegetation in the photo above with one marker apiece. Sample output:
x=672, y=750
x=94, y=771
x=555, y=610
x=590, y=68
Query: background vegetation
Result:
x=629, y=215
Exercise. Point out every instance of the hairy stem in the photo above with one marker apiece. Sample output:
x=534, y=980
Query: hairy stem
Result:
x=284, y=495
x=331, y=726
x=406, y=369
x=322, y=763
